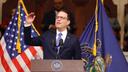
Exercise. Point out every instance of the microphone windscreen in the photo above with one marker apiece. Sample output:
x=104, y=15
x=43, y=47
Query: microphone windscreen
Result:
x=61, y=42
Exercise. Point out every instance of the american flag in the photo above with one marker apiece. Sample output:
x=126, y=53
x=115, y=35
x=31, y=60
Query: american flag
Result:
x=10, y=59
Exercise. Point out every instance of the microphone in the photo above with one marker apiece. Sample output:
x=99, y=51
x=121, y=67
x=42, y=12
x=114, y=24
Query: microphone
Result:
x=61, y=43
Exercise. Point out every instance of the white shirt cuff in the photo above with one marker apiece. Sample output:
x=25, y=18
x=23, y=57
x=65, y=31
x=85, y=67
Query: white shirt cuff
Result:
x=27, y=25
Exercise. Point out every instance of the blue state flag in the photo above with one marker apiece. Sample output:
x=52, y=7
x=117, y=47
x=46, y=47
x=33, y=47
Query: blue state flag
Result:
x=99, y=34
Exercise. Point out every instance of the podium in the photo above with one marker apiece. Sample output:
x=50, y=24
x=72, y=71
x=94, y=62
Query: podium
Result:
x=57, y=66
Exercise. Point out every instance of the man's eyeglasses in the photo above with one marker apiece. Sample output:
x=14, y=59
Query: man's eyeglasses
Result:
x=61, y=17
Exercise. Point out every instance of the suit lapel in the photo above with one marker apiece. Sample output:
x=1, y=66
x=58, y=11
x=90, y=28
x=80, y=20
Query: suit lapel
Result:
x=66, y=43
x=52, y=44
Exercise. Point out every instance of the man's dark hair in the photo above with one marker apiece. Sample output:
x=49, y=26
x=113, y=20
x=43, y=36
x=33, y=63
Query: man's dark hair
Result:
x=68, y=13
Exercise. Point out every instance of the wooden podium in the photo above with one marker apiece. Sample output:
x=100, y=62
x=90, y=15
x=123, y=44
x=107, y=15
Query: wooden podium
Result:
x=57, y=66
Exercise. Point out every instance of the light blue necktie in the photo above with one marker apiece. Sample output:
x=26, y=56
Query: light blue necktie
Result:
x=57, y=42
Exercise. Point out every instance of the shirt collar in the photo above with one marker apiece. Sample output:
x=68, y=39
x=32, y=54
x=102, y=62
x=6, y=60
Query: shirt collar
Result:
x=63, y=32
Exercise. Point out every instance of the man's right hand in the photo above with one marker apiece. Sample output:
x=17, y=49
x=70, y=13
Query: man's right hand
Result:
x=30, y=18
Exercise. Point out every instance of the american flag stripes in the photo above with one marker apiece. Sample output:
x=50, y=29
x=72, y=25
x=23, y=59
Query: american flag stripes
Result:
x=10, y=59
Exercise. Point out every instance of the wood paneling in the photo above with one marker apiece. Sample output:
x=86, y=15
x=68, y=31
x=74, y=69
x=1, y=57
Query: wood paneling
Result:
x=83, y=13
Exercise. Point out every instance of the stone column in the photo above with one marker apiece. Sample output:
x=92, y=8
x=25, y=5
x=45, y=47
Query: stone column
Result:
x=1, y=3
x=120, y=16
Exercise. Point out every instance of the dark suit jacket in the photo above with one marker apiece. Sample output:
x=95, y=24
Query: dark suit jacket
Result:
x=70, y=50
x=49, y=18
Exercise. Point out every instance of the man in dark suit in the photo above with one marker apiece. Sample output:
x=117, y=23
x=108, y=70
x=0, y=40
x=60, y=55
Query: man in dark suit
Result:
x=49, y=17
x=68, y=46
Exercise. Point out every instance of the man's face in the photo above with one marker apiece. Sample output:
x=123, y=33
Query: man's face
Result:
x=58, y=4
x=62, y=20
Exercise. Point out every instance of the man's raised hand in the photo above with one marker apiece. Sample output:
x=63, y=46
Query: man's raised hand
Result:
x=30, y=18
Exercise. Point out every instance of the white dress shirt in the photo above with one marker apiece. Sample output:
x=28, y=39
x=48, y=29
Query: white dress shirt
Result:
x=64, y=34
